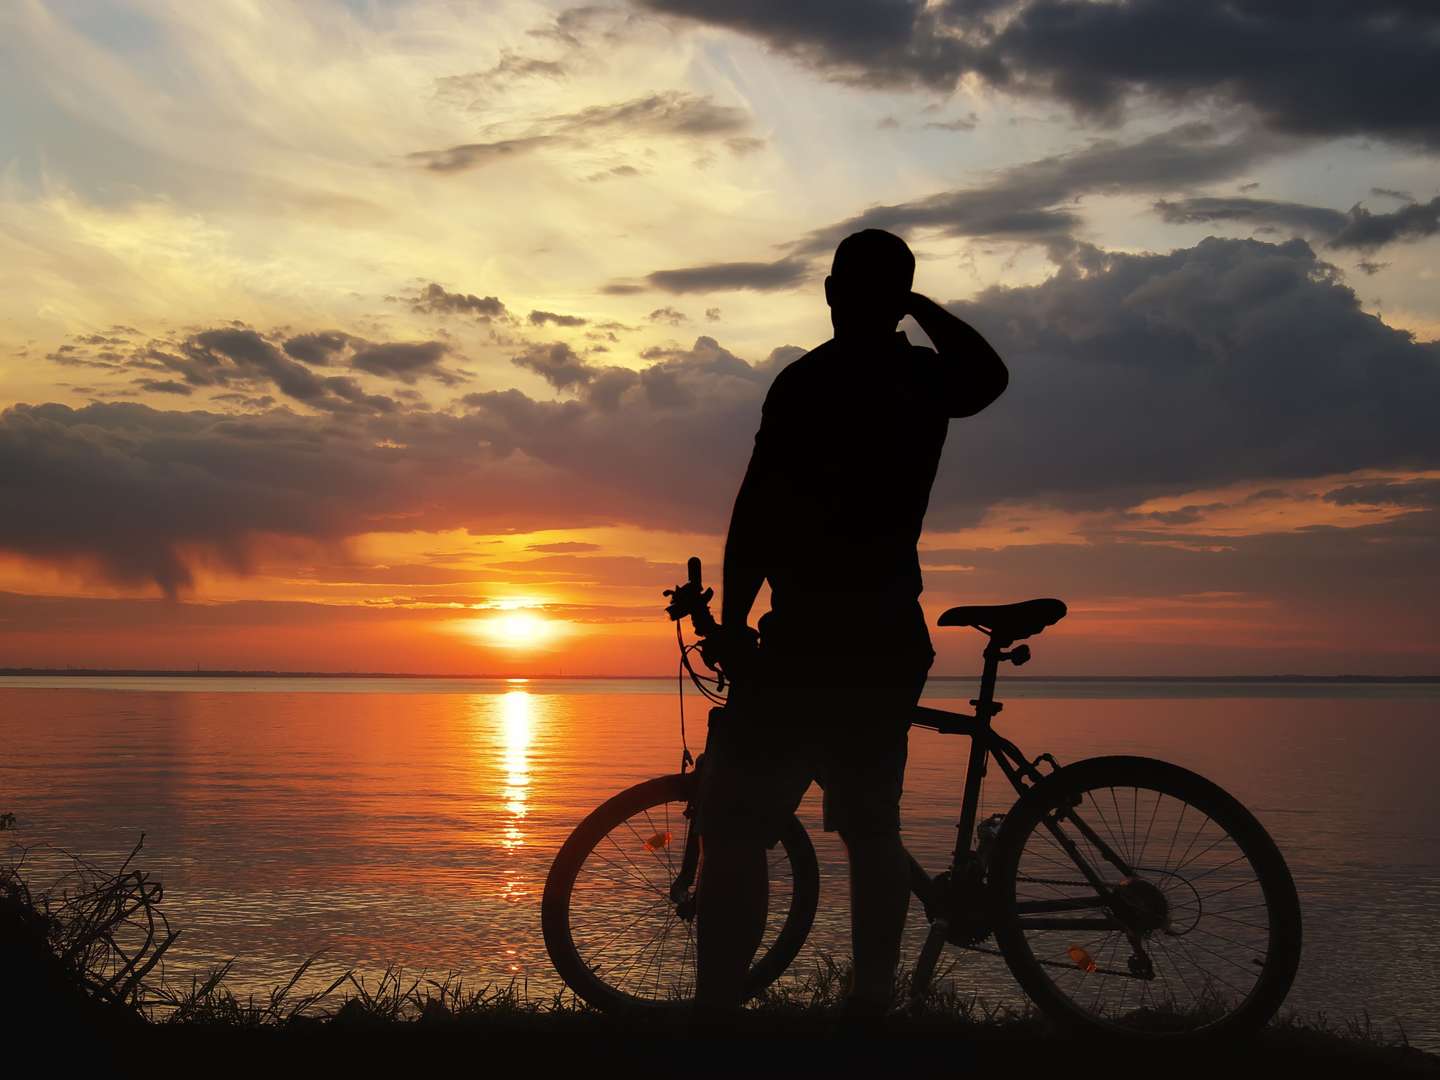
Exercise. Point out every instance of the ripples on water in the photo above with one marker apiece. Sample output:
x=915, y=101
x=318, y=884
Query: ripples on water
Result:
x=413, y=821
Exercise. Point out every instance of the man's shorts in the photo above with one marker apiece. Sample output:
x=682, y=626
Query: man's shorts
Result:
x=841, y=721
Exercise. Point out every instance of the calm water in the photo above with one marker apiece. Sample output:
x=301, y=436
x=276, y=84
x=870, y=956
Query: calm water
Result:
x=413, y=821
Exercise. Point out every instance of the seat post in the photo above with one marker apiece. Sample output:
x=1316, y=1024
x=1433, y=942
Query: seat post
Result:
x=985, y=708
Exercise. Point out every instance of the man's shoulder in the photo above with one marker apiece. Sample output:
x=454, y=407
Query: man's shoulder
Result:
x=795, y=376
x=807, y=363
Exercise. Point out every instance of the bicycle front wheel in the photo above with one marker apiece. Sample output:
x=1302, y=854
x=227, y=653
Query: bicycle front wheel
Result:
x=618, y=910
x=1133, y=897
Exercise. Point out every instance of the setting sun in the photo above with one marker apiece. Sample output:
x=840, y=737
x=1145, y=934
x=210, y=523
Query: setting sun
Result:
x=512, y=624
x=516, y=629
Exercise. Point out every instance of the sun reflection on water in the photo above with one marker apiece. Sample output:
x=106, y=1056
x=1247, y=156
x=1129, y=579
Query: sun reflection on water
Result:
x=515, y=734
x=517, y=728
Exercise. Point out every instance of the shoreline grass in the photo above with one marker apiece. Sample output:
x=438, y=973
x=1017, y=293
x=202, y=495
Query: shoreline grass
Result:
x=85, y=956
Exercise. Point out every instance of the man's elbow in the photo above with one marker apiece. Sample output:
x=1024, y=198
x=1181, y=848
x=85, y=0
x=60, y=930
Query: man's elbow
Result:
x=999, y=380
x=982, y=394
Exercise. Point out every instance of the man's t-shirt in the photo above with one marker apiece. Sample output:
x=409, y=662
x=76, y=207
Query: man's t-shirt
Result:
x=845, y=456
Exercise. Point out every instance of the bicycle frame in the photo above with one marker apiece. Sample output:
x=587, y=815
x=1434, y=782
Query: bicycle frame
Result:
x=985, y=742
x=1022, y=773
x=692, y=600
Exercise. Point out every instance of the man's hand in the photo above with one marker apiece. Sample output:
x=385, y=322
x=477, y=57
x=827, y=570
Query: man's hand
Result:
x=975, y=374
x=737, y=637
x=730, y=646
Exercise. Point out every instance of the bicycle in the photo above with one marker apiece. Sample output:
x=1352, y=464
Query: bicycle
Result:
x=1070, y=883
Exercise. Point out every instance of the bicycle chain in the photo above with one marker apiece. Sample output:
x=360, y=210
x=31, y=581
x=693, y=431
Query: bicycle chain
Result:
x=1051, y=963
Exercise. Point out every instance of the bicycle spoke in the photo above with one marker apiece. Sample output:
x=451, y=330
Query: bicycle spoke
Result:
x=1189, y=906
x=623, y=924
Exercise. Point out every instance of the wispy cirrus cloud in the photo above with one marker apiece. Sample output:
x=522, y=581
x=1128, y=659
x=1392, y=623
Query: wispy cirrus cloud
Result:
x=662, y=114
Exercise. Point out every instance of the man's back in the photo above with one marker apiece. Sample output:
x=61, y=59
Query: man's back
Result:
x=847, y=450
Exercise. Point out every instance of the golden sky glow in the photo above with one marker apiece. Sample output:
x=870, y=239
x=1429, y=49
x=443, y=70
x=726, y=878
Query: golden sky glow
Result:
x=431, y=337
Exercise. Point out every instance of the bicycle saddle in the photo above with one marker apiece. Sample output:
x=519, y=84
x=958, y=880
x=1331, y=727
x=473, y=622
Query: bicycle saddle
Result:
x=1007, y=622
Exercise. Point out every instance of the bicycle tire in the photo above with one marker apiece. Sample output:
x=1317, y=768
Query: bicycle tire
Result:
x=1281, y=921
x=557, y=904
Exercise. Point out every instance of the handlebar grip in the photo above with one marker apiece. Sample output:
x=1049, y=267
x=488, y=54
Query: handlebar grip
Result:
x=694, y=568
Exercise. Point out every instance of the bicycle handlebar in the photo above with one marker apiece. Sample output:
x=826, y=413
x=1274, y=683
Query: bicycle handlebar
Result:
x=722, y=653
x=692, y=599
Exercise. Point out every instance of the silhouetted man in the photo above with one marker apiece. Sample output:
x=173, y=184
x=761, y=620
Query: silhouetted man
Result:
x=830, y=513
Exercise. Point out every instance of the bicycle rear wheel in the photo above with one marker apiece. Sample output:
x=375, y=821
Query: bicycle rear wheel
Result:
x=619, y=930
x=1133, y=897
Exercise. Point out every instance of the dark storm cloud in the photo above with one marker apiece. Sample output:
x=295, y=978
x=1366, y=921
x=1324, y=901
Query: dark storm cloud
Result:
x=877, y=42
x=1298, y=217
x=1367, y=231
x=1231, y=360
x=1358, y=228
x=165, y=386
x=1419, y=494
x=1131, y=376
x=540, y=318
x=557, y=363
x=1322, y=67
x=244, y=363
x=236, y=356
x=1325, y=67
x=717, y=277
x=350, y=390
x=74, y=356
x=218, y=357
x=317, y=349
x=435, y=300
x=403, y=360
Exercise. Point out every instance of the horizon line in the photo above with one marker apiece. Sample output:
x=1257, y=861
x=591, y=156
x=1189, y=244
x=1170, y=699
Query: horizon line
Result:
x=14, y=672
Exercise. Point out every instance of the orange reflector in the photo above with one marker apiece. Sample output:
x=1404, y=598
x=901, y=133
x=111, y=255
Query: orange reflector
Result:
x=658, y=841
x=1082, y=959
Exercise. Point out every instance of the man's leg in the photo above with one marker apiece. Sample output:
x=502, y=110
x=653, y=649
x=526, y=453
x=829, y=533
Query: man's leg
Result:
x=863, y=770
x=752, y=777
x=879, y=902
x=732, y=900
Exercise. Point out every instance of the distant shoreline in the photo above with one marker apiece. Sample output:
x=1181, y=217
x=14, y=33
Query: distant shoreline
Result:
x=196, y=673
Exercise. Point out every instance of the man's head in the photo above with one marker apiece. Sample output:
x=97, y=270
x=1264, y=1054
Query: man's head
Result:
x=869, y=283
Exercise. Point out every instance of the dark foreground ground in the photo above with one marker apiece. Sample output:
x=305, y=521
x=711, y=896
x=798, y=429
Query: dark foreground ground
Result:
x=597, y=1046
x=83, y=990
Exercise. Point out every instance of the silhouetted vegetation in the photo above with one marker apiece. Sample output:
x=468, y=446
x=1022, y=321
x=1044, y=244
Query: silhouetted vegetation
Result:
x=84, y=954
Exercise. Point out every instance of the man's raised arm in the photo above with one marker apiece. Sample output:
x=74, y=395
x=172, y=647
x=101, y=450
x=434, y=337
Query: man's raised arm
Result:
x=971, y=372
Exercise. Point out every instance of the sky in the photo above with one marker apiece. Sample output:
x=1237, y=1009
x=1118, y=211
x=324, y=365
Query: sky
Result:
x=421, y=336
